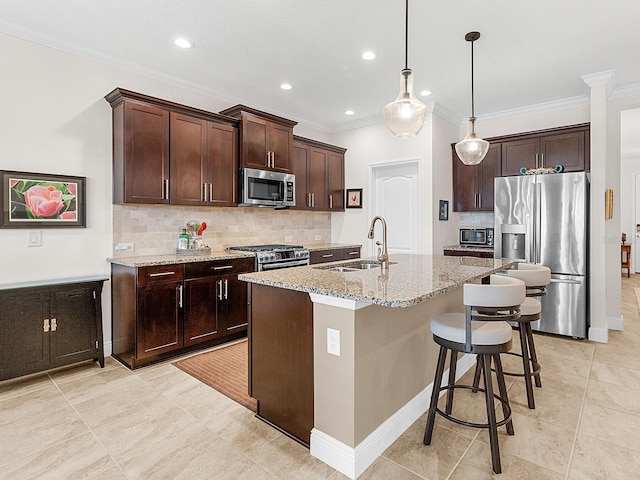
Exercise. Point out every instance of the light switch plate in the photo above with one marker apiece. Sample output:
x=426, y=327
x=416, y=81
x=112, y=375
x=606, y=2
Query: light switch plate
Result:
x=35, y=238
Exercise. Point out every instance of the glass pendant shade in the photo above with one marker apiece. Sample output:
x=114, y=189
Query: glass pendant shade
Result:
x=472, y=149
x=405, y=116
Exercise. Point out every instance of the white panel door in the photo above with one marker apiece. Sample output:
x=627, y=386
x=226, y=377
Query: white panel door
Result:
x=396, y=198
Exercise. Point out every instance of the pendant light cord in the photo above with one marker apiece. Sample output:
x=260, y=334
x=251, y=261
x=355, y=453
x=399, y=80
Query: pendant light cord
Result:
x=473, y=114
x=406, y=35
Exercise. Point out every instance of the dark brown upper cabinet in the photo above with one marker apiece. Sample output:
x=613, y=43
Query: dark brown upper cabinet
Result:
x=319, y=171
x=568, y=147
x=164, y=152
x=473, y=184
x=266, y=141
x=204, y=162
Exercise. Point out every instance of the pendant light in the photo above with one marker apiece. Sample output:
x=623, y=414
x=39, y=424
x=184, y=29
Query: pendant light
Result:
x=405, y=116
x=472, y=149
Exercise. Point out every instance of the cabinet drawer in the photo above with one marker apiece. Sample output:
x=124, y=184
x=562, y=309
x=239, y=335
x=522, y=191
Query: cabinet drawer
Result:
x=160, y=273
x=218, y=267
x=328, y=255
x=349, y=253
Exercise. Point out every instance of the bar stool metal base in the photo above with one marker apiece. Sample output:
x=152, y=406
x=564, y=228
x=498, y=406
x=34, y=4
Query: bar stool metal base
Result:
x=487, y=354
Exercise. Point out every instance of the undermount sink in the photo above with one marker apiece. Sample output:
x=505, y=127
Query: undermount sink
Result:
x=353, y=266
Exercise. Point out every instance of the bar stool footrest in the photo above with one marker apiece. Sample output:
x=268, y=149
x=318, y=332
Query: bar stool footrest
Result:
x=472, y=424
x=535, y=371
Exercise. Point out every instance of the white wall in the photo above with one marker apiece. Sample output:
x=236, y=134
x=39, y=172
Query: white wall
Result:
x=375, y=144
x=55, y=120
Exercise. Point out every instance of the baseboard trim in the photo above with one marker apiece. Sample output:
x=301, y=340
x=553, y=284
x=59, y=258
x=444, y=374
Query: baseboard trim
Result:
x=354, y=461
x=108, y=349
x=599, y=334
x=616, y=323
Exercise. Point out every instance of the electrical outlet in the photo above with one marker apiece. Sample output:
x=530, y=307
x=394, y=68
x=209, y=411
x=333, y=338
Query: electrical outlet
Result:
x=333, y=342
x=318, y=237
x=35, y=238
x=125, y=247
x=288, y=238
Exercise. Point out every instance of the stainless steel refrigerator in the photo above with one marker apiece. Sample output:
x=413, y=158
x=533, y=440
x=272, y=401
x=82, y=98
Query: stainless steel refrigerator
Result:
x=544, y=219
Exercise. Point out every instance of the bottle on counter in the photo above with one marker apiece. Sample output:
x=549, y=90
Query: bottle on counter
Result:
x=183, y=240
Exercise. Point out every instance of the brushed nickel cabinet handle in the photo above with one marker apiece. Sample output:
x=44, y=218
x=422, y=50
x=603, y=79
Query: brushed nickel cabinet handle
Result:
x=327, y=255
x=45, y=325
x=166, y=189
x=54, y=324
x=226, y=289
x=180, y=296
x=162, y=274
x=225, y=267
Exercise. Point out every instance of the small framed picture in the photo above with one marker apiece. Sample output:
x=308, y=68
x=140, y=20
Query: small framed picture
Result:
x=39, y=200
x=444, y=210
x=354, y=198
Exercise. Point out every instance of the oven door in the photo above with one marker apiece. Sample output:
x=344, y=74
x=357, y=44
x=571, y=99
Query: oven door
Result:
x=284, y=264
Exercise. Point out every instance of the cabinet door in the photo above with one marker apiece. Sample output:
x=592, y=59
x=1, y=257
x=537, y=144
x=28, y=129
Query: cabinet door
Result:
x=24, y=335
x=254, y=142
x=317, y=178
x=566, y=149
x=488, y=171
x=159, y=325
x=281, y=146
x=73, y=333
x=520, y=153
x=146, y=158
x=222, y=164
x=232, y=311
x=200, y=320
x=299, y=165
x=335, y=181
x=188, y=156
x=465, y=185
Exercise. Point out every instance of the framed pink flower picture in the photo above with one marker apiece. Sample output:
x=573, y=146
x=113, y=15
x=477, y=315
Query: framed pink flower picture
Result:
x=39, y=200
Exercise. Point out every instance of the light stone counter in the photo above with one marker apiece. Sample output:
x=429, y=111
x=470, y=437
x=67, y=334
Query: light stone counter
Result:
x=469, y=248
x=410, y=279
x=153, y=260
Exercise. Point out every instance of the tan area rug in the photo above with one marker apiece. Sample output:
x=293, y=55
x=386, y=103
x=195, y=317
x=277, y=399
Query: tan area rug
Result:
x=224, y=369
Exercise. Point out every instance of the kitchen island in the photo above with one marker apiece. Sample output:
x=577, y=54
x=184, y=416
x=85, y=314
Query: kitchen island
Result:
x=351, y=404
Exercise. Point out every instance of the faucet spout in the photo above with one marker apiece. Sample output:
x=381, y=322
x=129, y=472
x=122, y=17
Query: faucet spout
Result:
x=383, y=255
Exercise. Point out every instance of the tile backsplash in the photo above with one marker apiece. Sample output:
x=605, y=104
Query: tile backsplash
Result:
x=154, y=229
x=476, y=219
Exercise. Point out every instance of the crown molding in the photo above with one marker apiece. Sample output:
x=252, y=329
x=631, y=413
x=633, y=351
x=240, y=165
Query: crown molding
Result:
x=626, y=91
x=607, y=78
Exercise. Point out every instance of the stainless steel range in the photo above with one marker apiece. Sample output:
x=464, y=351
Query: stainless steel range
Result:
x=272, y=257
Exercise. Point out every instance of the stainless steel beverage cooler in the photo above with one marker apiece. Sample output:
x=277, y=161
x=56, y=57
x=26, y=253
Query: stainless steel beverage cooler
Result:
x=544, y=219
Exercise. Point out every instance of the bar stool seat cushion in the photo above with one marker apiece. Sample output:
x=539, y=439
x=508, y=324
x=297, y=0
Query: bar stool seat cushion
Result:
x=531, y=274
x=530, y=306
x=451, y=326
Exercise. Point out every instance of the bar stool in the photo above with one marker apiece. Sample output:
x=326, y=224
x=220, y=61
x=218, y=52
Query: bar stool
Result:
x=483, y=331
x=536, y=278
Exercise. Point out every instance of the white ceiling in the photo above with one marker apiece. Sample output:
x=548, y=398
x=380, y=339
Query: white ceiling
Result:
x=530, y=53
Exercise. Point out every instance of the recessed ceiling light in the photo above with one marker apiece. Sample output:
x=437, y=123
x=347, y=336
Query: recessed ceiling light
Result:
x=349, y=112
x=425, y=93
x=183, y=43
x=286, y=86
x=369, y=55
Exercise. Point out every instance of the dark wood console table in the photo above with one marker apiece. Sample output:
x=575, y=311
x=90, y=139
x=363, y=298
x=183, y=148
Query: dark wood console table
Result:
x=48, y=324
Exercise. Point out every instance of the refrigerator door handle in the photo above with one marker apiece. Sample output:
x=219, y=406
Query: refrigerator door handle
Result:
x=538, y=225
x=559, y=280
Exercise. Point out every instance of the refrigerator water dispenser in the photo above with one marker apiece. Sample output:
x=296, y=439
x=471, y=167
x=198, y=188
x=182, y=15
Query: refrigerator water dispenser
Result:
x=514, y=242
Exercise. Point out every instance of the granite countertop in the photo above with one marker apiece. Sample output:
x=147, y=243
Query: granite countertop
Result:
x=411, y=279
x=470, y=248
x=332, y=246
x=153, y=260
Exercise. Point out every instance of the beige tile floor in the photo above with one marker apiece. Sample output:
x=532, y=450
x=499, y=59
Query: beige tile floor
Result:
x=160, y=423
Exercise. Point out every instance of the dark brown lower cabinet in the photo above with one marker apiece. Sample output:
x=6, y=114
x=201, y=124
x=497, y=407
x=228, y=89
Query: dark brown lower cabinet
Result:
x=162, y=311
x=281, y=359
x=50, y=325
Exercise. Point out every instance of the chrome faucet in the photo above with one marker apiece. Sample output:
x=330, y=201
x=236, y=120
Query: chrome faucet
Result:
x=383, y=254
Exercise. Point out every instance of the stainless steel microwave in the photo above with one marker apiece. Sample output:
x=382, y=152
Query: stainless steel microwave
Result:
x=476, y=236
x=263, y=188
